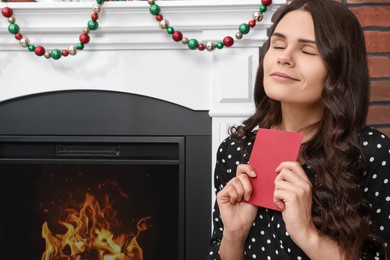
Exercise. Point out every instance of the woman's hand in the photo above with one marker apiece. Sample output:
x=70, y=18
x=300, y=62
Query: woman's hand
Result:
x=293, y=195
x=236, y=214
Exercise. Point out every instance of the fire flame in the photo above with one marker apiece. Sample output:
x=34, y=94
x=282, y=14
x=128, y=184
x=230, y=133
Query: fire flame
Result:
x=88, y=236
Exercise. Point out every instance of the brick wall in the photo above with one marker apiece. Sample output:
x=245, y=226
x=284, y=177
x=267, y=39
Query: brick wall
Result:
x=374, y=16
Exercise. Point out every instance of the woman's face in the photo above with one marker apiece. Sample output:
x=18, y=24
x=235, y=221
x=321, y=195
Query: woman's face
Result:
x=294, y=71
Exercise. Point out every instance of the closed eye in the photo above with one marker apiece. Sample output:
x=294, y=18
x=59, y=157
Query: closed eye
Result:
x=309, y=53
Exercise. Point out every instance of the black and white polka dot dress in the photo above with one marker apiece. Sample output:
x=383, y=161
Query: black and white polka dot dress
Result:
x=268, y=238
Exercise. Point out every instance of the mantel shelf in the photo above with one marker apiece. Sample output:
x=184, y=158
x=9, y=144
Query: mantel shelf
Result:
x=129, y=25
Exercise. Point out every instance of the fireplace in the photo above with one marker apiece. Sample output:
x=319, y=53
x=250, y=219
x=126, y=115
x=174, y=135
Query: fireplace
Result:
x=88, y=174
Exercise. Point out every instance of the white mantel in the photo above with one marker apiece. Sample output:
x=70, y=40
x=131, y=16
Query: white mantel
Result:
x=130, y=53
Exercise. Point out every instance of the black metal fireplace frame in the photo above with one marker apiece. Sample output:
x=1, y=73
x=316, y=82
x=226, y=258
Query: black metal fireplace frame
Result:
x=91, y=116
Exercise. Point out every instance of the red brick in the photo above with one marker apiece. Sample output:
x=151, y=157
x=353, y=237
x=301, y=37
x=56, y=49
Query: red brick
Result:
x=379, y=67
x=373, y=15
x=377, y=41
x=380, y=91
x=378, y=115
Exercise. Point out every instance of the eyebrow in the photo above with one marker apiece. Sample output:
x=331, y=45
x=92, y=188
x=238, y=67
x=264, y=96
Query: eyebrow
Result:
x=281, y=35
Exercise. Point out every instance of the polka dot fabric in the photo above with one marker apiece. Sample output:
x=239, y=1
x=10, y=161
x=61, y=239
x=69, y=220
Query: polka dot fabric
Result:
x=268, y=238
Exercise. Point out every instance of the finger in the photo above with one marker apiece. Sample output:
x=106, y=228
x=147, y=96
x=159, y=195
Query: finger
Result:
x=228, y=194
x=289, y=181
x=295, y=168
x=246, y=185
x=279, y=200
x=245, y=169
x=282, y=184
x=239, y=187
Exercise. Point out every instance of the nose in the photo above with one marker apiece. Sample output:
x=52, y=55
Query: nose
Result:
x=285, y=59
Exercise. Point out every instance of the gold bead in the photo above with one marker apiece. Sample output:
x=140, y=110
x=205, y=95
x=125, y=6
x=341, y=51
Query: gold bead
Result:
x=238, y=36
x=47, y=54
x=210, y=46
x=184, y=40
x=97, y=8
x=151, y=2
x=164, y=24
x=24, y=42
x=86, y=30
x=72, y=50
x=11, y=19
x=258, y=16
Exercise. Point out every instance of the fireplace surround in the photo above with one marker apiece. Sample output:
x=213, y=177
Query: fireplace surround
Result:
x=137, y=61
x=95, y=137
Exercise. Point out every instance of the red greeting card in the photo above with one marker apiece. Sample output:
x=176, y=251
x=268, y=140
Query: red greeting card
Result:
x=271, y=147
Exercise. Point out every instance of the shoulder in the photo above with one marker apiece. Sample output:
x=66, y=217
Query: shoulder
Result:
x=376, y=149
x=237, y=149
x=376, y=146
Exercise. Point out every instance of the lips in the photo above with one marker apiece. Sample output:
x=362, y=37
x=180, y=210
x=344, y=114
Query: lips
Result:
x=282, y=75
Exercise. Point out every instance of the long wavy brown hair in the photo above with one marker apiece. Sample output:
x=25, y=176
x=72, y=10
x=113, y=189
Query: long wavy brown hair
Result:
x=334, y=153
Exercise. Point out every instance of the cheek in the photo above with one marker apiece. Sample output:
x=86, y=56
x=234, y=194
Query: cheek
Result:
x=315, y=74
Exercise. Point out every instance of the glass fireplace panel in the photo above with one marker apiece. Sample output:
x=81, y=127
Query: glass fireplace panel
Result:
x=92, y=208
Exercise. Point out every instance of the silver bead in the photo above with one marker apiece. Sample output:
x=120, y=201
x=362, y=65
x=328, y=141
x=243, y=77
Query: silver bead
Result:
x=151, y=2
x=210, y=46
x=86, y=30
x=184, y=40
x=239, y=36
x=47, y=54
x=258, y=16
x=97, y=8
x=164, y=24
x=11, y=19
x=24, y=42
x=72, y=50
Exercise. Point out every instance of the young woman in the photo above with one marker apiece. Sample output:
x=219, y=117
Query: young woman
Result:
x=335, y=199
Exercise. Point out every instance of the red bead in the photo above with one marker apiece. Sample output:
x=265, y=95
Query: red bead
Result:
x=201, y=46
x=266, y=2
x=18, y=36
x=7, y=12
x=65, y=53
x=228, y=41
x=84, y=38
x=177, y=36
x=159, y=17
x=39, y=50
x=252, y=23
x=94, y=16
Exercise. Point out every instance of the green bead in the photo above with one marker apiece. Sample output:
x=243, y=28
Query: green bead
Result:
x=219, y=45
x=56, y=54
x=100, y=2
x=13, y=28
x=263, y=8
x=80, y=46
x=93, y=25
x=154, y=9
x=193, y=44
x=31, y=47
x=170, y=30
x=244, y=28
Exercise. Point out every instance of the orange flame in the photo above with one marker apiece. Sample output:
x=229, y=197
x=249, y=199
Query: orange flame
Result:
x=88, y=236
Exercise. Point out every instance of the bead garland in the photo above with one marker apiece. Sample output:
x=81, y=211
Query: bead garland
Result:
x=154, y=9
x=194, y=44
x=56, y=54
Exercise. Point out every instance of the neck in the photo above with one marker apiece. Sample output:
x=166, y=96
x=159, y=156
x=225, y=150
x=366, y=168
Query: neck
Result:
x=297, y=118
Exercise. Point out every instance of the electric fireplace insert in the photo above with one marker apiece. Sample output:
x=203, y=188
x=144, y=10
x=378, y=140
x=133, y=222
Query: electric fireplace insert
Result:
x=103, y=175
